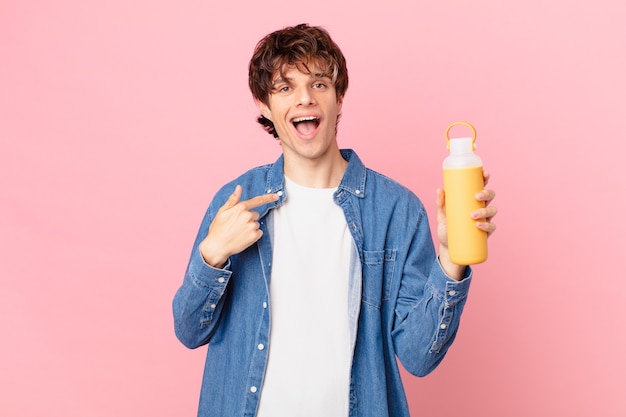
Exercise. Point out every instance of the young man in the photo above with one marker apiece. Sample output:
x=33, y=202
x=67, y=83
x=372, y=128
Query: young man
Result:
x=309, y=277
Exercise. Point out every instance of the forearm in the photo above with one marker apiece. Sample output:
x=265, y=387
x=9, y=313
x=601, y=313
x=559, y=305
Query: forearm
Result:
x=198, y=302
x=427, y=323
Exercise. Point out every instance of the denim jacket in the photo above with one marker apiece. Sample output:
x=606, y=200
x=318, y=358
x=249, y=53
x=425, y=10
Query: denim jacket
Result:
x=401, y=302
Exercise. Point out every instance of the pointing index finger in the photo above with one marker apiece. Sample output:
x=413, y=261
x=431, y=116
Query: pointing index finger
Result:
x=259, y=200
x=234, y=198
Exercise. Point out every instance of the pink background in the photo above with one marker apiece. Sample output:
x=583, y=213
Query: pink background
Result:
x=119, y=120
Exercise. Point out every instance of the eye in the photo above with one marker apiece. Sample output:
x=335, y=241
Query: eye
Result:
x=319, y=85
x=281, y=88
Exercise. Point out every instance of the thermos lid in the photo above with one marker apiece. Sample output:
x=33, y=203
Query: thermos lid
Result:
x=461, y=145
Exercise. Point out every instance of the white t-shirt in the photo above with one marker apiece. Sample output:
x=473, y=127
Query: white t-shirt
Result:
x=308, y=371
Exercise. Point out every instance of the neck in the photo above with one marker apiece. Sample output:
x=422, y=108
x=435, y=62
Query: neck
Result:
x=324, y=172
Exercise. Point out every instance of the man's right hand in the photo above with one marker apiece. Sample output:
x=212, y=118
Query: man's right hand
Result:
x=234, y=228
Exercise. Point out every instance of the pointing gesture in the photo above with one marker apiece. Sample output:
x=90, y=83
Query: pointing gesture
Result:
x=234, y=228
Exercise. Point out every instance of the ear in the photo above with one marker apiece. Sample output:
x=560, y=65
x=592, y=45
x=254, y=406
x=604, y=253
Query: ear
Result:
x=265, y=110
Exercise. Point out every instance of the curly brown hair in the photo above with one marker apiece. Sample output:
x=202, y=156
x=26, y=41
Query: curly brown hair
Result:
x=294, y=46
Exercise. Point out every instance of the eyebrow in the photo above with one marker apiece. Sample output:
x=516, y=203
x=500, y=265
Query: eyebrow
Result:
x=288, y=80
x=281, y=80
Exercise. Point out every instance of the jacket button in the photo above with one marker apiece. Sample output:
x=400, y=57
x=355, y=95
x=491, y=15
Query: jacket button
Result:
x=253, y=389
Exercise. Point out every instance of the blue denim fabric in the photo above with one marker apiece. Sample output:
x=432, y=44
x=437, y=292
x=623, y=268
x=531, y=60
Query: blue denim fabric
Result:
x=403, y=304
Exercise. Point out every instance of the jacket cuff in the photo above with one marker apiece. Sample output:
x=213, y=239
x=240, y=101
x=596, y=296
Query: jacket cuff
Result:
x=449, y=289
x=207, y=276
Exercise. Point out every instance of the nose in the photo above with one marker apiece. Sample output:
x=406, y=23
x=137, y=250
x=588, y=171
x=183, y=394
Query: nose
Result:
x=305, y=97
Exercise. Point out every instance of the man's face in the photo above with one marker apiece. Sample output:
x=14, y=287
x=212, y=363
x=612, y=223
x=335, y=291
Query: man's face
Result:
x=304, y=109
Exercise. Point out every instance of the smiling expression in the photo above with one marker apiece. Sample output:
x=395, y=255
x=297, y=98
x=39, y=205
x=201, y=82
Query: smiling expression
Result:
x=304, y=109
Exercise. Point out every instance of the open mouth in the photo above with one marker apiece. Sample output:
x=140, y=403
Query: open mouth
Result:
x=306, y=125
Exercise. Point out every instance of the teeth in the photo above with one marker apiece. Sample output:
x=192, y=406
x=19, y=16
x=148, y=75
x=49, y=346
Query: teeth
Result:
x=304, y=119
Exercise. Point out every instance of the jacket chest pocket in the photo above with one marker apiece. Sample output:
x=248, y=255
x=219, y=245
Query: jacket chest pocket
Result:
x=378, y=268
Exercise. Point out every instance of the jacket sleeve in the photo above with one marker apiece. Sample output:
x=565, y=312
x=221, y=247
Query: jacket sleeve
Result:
x=199, y=300
x=429, y=305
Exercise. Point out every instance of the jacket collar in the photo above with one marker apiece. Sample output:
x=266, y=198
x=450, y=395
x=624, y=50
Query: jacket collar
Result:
x=353, y=180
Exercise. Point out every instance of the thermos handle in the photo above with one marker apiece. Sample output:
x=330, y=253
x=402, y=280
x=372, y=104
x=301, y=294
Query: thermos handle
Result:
x=461, y=123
